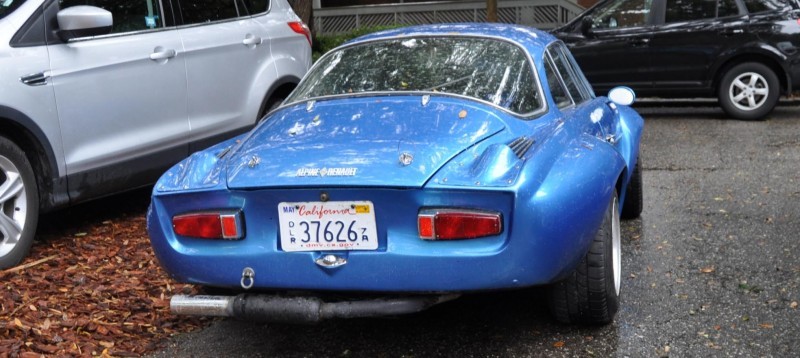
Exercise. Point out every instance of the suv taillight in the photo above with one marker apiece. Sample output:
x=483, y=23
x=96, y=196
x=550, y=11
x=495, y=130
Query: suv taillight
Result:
x=301, y=28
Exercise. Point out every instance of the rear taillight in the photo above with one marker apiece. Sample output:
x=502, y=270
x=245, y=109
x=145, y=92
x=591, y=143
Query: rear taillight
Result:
x=301, y=28
x=209, y=225
x=455, y=224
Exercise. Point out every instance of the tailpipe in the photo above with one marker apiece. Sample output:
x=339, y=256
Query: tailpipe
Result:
x=273, y=308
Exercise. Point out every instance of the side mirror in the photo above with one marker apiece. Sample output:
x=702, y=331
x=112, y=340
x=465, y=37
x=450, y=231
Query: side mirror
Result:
x=622, y=95
x=83, y=21
x=586, y=26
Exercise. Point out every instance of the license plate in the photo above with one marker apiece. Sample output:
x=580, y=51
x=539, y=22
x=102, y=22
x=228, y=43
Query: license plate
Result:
x=327, y=226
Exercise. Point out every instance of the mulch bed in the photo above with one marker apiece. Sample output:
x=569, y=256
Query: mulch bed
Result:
x=91, y=289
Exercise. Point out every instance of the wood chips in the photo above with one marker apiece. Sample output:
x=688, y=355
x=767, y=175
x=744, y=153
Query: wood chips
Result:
x=98, y=291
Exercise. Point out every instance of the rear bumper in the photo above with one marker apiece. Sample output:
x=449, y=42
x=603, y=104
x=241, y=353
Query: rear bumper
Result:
x=541, y=242
x=273, y=308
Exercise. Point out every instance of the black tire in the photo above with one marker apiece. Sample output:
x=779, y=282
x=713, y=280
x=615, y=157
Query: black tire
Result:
x=19, y=204
x=634, y=199
x=749, y=91
x=590, y=295
x=268, y=105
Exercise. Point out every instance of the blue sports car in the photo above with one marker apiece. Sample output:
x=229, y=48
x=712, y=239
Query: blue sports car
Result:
x=408, y=167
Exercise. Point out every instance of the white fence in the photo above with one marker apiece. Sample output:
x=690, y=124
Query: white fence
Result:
x=544, y=14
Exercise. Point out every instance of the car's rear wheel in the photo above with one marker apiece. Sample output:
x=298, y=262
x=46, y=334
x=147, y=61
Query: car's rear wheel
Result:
x=634, y=200
x=590, y=294
x=749, y=91
x=19, y=204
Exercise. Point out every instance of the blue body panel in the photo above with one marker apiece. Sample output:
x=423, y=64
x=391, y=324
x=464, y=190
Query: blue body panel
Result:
x=552, y=196
x=364, y=133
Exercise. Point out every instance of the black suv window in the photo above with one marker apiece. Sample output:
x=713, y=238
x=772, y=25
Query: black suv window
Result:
x=766, y=5
x=618, y=14
x=727, y=8
x=200, y=11
x=129, y=15
x=688, y=10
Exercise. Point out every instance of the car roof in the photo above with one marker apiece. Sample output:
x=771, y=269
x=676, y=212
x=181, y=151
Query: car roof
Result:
x=533, y=40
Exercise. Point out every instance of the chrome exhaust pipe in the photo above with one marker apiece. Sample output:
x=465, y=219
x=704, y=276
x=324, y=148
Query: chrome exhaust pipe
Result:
x=216, y=306
x=273, y=308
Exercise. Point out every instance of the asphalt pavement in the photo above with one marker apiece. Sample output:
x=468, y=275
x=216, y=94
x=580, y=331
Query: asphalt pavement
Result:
x=711, y=268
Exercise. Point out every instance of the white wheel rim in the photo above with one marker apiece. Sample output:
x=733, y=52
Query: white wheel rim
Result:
x=748, y=91
x=616, y=246
x=13, y=206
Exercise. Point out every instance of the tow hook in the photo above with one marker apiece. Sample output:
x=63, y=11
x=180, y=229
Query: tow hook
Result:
x=248, y=278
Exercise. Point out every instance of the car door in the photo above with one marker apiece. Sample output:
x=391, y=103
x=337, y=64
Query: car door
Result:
x=611, y=44
x=224, y=49
x=692, y=36
x=121, y=99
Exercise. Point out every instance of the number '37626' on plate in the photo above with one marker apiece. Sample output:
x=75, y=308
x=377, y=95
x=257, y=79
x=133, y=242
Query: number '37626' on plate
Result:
x=327, y=226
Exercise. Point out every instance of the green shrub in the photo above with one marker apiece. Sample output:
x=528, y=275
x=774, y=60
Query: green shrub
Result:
x=325, y=43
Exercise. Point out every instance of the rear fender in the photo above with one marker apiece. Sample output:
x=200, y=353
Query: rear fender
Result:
x=571, y=200
x=631, y=126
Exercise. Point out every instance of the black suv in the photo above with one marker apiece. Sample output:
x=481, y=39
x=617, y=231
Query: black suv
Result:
x=744, y=52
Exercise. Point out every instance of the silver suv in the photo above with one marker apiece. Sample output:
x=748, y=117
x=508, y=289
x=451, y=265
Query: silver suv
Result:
x=102, y=96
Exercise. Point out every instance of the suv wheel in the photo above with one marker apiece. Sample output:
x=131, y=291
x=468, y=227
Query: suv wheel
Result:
x=749, y=91
x=19, y=204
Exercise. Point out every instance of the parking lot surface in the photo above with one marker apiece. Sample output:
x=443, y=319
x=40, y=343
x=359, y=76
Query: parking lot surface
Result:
x=711, y=269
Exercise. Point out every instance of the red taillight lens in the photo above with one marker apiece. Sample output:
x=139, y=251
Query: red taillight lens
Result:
x=209, y=225
x=454, y=224
x=301, y=28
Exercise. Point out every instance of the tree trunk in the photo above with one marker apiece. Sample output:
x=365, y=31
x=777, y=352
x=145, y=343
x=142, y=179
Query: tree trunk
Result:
x=491, y=10
x=304, y=9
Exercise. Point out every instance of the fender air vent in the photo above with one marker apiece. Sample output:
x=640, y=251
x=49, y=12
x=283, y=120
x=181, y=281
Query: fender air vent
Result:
x=520, y=146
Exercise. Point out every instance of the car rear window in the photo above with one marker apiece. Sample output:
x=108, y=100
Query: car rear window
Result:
x=486, y=69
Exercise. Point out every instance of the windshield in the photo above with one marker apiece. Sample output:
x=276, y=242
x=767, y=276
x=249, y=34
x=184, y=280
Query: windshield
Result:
x=8, y=6
x=486, y=69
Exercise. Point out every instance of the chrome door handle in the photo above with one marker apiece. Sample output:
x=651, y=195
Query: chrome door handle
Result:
x=162, y=54
x=251, y=40
x=36, y=79
x=638, y=42
x=731, y=32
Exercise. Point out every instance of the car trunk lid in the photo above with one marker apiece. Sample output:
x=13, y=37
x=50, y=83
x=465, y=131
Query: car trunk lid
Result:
x=385, y=141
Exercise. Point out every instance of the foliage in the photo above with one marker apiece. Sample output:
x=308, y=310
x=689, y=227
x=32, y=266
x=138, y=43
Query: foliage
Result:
x=325, y=43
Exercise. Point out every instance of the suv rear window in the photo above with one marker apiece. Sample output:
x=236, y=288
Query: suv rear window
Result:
x=8, y=6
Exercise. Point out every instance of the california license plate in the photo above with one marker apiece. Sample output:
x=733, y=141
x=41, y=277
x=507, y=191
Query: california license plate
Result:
x=327, y=226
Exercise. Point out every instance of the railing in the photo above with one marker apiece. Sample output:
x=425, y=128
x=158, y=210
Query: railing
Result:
x=544, y=14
